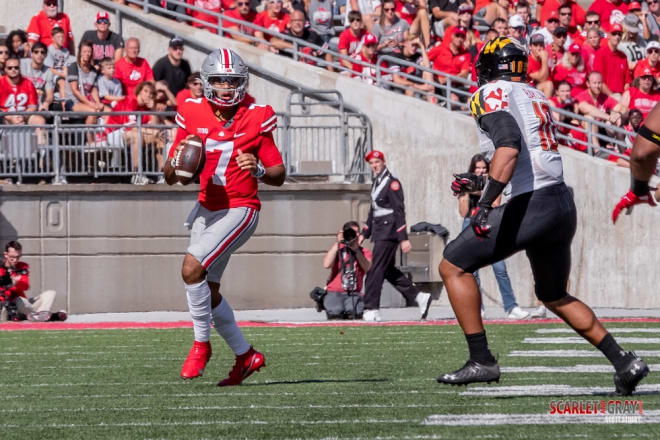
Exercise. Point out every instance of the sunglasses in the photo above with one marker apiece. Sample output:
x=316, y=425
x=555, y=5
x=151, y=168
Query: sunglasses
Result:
x=553, y=20
x=566, y=13
x=647, y=77
x=51, y=3
x=388, y=9
x=41, y=51
x=593, y=22
x=243, y=4
x=11, y=67
x=103, y=21
x=653, y=50
x=617, y=34
x=355, y=19
x=653, y=2
x=561, y=36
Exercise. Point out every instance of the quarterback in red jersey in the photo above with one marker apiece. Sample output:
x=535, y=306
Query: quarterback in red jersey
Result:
x=238, y=140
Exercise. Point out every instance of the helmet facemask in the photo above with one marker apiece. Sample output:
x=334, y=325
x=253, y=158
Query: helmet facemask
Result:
x=225, y=90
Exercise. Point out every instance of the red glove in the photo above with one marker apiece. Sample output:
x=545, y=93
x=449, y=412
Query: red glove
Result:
x=479, y=220
x=629, y=200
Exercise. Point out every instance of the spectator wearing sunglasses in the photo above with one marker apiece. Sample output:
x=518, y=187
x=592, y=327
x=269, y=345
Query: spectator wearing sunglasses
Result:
x=653, y=18
x=273, y=19
x=17, y=94
x=592, y=21
x=298, y=30
x=349, y=39
x=577, y=12
x=390, y=30
x=40, y=75
x=613, y=64
x=172, y=69
x=244, y=13
x=42, y=24
x=565, y=20
x=610, y=11
x=105, y=43
x=650, y=62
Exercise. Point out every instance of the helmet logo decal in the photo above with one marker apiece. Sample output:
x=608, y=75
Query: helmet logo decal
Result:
x=497, y=43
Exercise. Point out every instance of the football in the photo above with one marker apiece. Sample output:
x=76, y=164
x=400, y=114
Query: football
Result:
x=190, y=160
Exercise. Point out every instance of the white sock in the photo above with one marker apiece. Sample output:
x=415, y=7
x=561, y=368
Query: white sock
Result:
x=199, y=304
x=225, y=325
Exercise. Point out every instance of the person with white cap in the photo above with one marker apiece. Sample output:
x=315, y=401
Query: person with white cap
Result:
x=386, y=228
x=650, y=62
x=518, y=29
x=105, y=43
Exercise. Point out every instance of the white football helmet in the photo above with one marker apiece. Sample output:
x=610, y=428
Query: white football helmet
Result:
x=224, y=65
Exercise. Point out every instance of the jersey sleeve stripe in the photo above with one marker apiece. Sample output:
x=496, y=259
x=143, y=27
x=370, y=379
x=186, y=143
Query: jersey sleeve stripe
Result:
x=269, y=121
x=269, y=128
x=179, y=120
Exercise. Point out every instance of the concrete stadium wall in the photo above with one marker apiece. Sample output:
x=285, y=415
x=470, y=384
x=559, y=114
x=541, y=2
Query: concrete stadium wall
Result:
x=119, y=248
x=425, y=144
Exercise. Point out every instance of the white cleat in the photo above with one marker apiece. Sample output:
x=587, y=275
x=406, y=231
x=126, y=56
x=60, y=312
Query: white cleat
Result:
x=371, y=315
x=539, y=312
x=517, y=313
x=424, y=303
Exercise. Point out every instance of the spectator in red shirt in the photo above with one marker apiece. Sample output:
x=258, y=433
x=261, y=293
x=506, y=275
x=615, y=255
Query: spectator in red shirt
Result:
x=131, y=70
x=590, y=48
x=596, y=104
x=417, y=16
x=194, y=89
x=242, y=12
x=452, y=59
x=565, y=15
x=571, y=69
x=538, y=72
x=592, y=21
x=613, y=64
x=273, y=19
x=210, y=21
x=349, y=39
x=42, y=24
x=368, y=56
x=556, y=49
x=577, y=13
x=641, y=95
x=610, y=12
x=548, y=31
x=650, y=62
x=17, y=94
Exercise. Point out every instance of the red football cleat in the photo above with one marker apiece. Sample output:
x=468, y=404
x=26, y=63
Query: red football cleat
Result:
x=194, y=365
x=245, y=365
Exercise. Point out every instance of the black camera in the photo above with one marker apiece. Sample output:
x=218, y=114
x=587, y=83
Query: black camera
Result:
x=349, y=235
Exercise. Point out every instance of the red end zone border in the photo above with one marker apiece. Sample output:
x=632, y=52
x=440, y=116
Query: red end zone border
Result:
x=14, y=326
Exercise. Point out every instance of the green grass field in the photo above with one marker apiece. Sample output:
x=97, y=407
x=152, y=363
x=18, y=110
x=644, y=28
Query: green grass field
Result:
x=368, y=382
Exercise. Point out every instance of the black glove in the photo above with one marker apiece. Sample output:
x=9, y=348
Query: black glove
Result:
x=467, y=182
x=479, y=220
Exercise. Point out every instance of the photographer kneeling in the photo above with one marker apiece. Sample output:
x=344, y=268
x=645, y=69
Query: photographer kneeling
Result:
x=348, y=262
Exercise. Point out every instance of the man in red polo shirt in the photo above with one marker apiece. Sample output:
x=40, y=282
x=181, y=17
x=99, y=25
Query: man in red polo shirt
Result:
x=577, y=13
x=650, y=62
x=613, y=64
x=452, y=58
x=273, y=18
x=610, y=11
x=42, y=24
x=242, y=12
x=349, y=39
x=131, y=70
x=593, y=102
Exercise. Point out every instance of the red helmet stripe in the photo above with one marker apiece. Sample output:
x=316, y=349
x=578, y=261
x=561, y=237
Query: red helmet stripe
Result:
x=225, y=57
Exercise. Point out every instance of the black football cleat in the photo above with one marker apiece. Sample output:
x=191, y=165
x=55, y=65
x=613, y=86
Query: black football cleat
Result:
x=626, y=380
x=472, y=372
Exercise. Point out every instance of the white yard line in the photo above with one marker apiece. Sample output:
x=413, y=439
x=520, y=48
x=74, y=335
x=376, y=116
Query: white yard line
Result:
x=574, y=353
x=572, y=369
x=552, y=390
x=652, y=416
x=580, y=340
x=609, y=329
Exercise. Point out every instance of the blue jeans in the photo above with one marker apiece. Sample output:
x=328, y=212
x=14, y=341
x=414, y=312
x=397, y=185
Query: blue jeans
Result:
x=502, y=277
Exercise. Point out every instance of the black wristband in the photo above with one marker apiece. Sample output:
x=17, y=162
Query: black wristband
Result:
x=491, y=192
x=639, y=187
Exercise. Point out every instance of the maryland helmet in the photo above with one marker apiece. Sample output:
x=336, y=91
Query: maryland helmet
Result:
x=502, y=58
x=224, y=66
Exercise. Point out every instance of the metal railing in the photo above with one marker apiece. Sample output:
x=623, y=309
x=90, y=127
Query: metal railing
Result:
x=600, y=136
x=67, y=147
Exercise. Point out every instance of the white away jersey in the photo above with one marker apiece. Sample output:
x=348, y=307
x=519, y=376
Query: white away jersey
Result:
x=539, y=163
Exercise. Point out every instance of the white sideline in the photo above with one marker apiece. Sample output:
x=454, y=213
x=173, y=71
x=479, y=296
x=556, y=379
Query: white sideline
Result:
x=652, y=416
x=580, y=340
x=572, y=369
x=574, y=353
x=609, y=329
x=552, y=390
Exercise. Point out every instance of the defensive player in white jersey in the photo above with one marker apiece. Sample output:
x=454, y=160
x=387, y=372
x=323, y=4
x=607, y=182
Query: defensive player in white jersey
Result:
x=516, y=129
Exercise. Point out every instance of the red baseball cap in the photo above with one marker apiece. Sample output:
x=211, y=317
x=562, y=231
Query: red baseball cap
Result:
x=102, y=15
x=374, y=154
x=645, y=72
x=460, y=30
x=554, y=15
x=369, y=39
x=616, y=27
x=634, y=6
x=575, y=48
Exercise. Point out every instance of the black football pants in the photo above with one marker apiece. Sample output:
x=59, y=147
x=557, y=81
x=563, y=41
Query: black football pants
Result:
x=383, y=268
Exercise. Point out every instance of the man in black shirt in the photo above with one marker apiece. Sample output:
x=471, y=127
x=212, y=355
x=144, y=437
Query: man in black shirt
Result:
x=105, y=43
x=297, y=29
x=173, y=69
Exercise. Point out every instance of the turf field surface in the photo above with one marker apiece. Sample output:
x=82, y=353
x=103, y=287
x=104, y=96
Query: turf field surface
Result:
x=320, y=382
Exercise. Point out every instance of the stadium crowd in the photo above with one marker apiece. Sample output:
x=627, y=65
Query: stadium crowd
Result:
x=601, y=63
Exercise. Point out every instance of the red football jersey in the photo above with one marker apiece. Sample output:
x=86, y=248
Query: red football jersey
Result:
x=349, y=42
x=644, y=102
x=17, y=98
x=209, y=5
x=222, y=183
x=249, y=17
x=41, y=26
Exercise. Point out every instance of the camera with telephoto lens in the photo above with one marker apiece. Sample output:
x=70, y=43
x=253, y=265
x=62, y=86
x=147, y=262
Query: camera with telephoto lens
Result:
x=349, y=235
